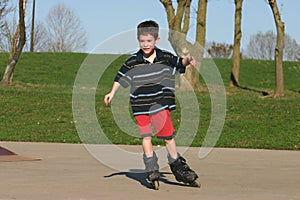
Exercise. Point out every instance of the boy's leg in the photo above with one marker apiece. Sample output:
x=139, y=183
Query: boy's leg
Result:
x=179, y=167
x=163, y=124
x=150, y=159
x=147, y=146
x=171, y=148
x=152, y=170
x=151, y=166
x=144, y=124
x=164, y=127
x=182, y=172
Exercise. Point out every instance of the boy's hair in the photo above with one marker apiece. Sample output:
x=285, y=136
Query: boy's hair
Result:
x=148, y=27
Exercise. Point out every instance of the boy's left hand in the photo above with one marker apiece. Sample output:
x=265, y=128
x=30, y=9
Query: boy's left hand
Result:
x=190, y=60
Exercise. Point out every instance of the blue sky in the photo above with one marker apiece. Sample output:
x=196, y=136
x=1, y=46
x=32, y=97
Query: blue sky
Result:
x=103, y=19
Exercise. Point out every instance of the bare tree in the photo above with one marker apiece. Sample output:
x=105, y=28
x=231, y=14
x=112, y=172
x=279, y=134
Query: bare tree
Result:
x=290, y=48
x=18, y=42
x=279, y=89
x=64, y=30
x=236, y=58
x=179, y=23
x=297, y=53
x=219, y=50
x=3, y=11
x=5, y=8
x=9, y=28
x=39, y=39
x=262, y=46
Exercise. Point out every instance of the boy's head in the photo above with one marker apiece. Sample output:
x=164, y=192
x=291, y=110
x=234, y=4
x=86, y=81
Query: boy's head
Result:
x=148, y=27
x=147, y=35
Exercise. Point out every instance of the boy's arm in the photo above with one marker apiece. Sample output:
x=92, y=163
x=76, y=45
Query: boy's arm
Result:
x=190, y=60
x=109, y=96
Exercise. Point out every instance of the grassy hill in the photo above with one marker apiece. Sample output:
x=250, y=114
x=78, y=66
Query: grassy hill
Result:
x=38, y=105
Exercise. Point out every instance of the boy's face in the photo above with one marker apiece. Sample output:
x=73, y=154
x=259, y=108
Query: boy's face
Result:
x=147, y=44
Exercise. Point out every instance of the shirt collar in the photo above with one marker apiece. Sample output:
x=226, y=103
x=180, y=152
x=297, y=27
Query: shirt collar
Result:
x=140, y=56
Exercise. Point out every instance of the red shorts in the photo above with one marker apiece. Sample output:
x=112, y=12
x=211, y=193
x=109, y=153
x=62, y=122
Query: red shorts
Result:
x=161, y=121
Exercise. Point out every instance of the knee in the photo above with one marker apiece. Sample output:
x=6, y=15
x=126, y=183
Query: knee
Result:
x=147, y=139
x=169, y=141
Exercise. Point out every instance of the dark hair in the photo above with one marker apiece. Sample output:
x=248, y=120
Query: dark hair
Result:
x=148, y=27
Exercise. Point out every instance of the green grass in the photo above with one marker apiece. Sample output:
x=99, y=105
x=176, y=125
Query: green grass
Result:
x=38, y=105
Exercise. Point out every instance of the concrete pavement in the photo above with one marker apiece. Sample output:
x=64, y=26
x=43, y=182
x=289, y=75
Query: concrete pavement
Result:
x=68, y=171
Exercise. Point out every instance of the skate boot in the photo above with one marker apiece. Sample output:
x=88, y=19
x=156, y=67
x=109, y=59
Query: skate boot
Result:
x=183, y=173
x=152, y=170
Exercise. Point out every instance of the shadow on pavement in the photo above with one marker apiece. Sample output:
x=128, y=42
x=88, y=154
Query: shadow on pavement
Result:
x=140, y=176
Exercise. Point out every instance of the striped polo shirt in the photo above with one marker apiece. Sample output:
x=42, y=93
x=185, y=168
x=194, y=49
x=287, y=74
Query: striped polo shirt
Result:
x=152, y=85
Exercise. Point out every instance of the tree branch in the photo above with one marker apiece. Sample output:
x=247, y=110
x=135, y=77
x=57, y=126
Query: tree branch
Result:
x=186, y=21
x=170, y=12
x=179, y=15
x=21, y=28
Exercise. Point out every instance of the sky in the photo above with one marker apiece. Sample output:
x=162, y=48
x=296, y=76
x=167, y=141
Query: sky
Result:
x=106, y=19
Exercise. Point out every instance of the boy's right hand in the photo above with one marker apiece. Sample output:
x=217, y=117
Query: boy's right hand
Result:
x=108, y=98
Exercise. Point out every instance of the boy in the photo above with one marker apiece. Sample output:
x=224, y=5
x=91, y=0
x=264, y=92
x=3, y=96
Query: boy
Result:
x=151, y=74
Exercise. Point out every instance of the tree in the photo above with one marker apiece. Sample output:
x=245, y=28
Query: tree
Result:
x=32, y=27
x=9, y=27
x=18, y=42
x=219, y=50
x=290, y=48
x=64, y=30
x=262, y=46
x=279, y=89
x=39, y=39
x=179, y=23
x=297, y=53
x=3, y=11
x=236, y=57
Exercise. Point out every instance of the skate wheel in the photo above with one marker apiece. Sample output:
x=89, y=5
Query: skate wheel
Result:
x=196, y=183
x=155, y=185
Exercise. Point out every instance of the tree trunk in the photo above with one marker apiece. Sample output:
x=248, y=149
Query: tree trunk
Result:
x=18, y=43
x=193, y=74
x=201, y=24
x=279, y=90
x=32, y=27
x=236, y=57
x=179, y=26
